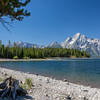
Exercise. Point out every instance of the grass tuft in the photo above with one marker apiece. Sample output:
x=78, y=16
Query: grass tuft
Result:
x=1, y=79
x=28, y=82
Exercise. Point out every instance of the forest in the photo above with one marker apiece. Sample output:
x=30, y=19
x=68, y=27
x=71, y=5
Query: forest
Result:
x=16, y=52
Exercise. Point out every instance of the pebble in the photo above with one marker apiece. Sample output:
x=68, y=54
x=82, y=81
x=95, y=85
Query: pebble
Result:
x=45, y=88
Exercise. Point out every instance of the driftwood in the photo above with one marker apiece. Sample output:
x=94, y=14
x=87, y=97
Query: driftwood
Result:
x=10, y=88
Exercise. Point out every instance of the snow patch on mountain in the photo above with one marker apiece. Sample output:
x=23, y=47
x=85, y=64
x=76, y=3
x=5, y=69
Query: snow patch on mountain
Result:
x=28, y=45
x=54, y=45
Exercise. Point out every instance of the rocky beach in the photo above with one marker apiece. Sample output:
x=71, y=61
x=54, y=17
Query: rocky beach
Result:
x=45, y=88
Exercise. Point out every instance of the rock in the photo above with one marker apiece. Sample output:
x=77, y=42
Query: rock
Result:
x=65, y=80
x=68, y=98
x=47, y=80
x=85, y=98
x=5, y=74
x=85, y=90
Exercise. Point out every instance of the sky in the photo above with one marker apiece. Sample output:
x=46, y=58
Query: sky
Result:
x=55, y=20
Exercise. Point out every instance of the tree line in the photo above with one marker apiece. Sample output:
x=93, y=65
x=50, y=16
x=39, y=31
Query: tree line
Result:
x=25, y=53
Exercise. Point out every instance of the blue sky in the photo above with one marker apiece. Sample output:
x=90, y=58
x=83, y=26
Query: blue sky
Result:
x=55, y=20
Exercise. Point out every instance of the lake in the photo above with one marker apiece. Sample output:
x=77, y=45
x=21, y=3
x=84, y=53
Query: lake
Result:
x=80, y=71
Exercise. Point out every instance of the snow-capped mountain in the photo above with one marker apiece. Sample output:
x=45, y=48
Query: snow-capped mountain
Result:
x=54, y=45
x=81, y=42
x=28, y=45
x=24, y=44
x=78, y=41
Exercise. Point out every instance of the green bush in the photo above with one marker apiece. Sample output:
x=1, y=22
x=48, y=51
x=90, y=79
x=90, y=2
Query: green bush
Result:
x=15, y=57
x=28, y=81
x=25, y=57
x=1, y=79
x=24, y=86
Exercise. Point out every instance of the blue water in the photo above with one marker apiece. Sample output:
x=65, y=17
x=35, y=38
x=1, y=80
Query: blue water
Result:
x=81, y=71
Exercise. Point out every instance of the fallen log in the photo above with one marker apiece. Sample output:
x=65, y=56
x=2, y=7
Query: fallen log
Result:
x=10, y=88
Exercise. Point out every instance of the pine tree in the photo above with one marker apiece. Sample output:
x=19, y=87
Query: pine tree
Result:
x=13, y=10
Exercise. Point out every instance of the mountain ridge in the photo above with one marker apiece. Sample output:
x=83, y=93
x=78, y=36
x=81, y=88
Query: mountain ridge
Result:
x=83, y=43
x=78, y=41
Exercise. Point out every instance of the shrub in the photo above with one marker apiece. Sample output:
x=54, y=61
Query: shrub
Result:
x=1, y=79
x=23, y=86
x=25, y=57
x=15, y=57
x=28, y=81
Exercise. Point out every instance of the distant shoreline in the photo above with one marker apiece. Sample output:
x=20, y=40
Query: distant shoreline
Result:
x=43, y=59
x=22, y=59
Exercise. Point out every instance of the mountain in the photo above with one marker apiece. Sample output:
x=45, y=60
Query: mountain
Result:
x=24, y=44
x=54, y=45
x=28, y=45
x=81, y=42
x=78, y=41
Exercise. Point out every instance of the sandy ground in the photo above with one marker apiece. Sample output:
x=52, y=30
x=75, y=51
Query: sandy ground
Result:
x=45, y=88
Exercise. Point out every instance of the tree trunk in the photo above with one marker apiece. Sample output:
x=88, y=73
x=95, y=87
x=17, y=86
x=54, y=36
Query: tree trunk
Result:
x=10, y=88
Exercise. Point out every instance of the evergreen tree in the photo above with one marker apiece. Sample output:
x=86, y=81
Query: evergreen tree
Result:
x=21, y=52
x=13, y=10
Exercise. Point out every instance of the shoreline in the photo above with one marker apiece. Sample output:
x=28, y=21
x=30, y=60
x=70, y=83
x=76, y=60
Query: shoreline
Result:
x=46, y=88
x=86, y=84
x=44, y=59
